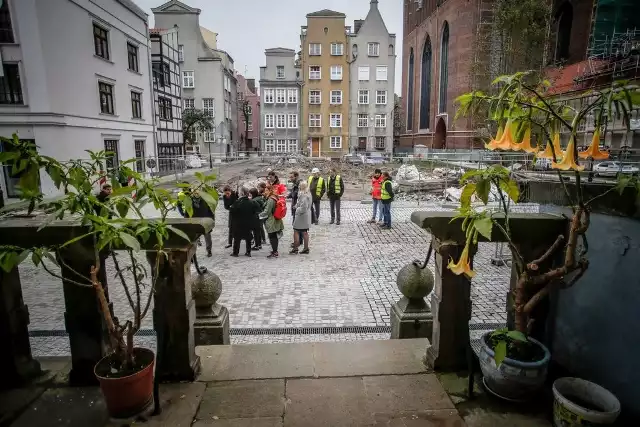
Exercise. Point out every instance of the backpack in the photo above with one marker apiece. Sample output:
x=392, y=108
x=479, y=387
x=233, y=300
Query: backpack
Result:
x=280, y=210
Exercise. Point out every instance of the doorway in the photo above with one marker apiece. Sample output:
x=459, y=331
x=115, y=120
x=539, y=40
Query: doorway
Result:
x=440, y=136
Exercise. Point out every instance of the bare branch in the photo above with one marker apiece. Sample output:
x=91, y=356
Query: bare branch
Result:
x=124, y=282
x=534, y=265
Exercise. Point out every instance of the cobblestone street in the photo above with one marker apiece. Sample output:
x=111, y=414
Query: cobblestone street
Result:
x=348, y=280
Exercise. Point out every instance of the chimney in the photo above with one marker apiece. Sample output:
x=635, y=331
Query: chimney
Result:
x=251, y=84
x=374, y=4
x=357, y=24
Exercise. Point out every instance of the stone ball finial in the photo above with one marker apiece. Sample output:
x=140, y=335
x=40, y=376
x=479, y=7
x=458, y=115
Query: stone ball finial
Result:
x=414, y=282
x=206, y=289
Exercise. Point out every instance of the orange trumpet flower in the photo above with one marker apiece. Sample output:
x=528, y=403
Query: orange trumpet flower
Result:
x=594, y=149
x=503, y=140
x=463, y=265
x=547, y=153
x=568, y=161
x=525, y=144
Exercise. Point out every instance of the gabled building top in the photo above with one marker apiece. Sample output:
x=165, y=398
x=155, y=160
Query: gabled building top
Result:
x=173, y=6
x=326, y=13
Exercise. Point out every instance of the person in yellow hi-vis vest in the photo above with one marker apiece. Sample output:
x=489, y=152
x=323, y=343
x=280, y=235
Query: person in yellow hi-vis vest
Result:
x=335, y=190
x=317, y=187
x=386, y=197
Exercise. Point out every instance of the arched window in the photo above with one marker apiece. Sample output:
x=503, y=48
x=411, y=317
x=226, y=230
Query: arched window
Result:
x=425, y=85
x=563, y=31
x=410, y=93
x=444, y=68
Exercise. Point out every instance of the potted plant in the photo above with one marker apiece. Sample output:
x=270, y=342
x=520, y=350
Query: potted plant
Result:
x=114, y=222
x=513, y=363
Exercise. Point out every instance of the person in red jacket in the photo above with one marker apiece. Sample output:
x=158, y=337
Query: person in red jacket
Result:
x=376, y=194
x=279, y=189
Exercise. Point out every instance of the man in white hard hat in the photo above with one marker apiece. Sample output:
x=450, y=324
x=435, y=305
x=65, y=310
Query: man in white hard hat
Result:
x=317, y=188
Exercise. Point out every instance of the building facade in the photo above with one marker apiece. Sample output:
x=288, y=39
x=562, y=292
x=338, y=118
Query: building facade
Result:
x=325, y=92
x=167, y=94
x=248, y=114
x=208, y=81
x=280, y=105
x=46, y=66
x=372, y=85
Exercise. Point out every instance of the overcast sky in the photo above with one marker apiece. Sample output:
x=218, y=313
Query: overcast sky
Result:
x=247, y=27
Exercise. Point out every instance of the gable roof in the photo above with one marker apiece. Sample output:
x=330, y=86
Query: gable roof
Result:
x=326, y=13
x=175, y=6
x=373, y=16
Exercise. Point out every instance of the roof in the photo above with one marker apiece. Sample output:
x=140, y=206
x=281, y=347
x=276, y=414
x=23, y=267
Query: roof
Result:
x=279, y=50
x=129, y=4
x=326, y=13
x=156, y=30
x=173, y=6
x=563, y=79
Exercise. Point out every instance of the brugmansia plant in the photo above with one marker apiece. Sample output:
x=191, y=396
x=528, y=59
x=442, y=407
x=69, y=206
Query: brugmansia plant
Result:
x=522, y=111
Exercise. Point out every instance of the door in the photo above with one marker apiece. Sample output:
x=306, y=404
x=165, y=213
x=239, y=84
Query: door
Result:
x=315, y=147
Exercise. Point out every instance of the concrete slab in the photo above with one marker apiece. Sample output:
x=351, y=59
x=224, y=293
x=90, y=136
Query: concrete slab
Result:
x=257, y=361
x=242, y=399
x=334, y=402
x=241, y=422
x=403, y=393
x=441, y=418
x=360, y=358
x=13, y=402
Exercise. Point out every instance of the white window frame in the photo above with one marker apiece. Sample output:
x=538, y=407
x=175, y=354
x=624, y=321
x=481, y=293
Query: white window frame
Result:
x=188, y=78
x=336, y=97
x=315, y=120
x=281, y=121
x=269, y=145
x=315, y=49
x=379, y=73
x=335, y=142
x=292, y=146
x=188, y=104
x=381, y=94
x=281, y=145
x=373, y=49
x=210, y=109
x=292, y=96
x=269, y=121
x=335, y=120
x=336, y=72
x=209, y=136
x=278, y=69
x=315, y=75
x=269, y=96
x=364, y=73
x=363, y=120
x=337, y=49
x=292, y=121
x=380, y=120
x=281, y=96
x=363, y=94
x=180, y=53
x=315, y=97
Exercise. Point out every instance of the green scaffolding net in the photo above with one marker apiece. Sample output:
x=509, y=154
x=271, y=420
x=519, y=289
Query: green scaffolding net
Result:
x=613, y=21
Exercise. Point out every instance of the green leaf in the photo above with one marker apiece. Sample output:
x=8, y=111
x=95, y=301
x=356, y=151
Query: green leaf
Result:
x=482, y=190
x=484, y=226
x=500, y=352
x=517, y=336
x=209, y=200
x=75, y=239
x=623, y=182
x=122, y=207
x=50, y=257
x=179, y=232
x=36, y=257
x=130, y=241
x=23, y=255
x=465, y=196
x=511, y=188
x=187, y=205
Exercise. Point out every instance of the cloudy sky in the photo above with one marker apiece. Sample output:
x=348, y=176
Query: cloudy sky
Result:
x=247, y=27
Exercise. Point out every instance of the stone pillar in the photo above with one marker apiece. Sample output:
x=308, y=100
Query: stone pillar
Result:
x=84, y=322
x=451, y=305
x=212, y=319
x=174, y=314
x=16, y=362
x=411, y=317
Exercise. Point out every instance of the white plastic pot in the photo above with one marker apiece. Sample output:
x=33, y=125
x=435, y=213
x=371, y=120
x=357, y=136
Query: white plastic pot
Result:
x=578, y=403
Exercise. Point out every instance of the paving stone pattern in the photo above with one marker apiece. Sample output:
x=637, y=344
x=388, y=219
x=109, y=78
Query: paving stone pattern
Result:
x=347, y=280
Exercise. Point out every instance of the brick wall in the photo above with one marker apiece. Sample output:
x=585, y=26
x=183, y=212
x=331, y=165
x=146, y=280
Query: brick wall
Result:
x=580, y=28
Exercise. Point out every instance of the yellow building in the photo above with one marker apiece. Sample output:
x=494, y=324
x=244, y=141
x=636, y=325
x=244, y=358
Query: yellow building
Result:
x=325, y=89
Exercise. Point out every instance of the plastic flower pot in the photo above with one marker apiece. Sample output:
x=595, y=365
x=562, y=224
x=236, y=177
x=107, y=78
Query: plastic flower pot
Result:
x=579, y=402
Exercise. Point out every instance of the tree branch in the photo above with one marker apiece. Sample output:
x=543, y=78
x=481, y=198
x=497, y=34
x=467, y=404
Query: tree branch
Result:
x=533, y=265
x=124, y=282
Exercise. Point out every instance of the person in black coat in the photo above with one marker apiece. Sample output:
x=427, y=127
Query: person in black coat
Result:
x=228, y=198
x=200, y=210
x=243, y=212
x=258, y=231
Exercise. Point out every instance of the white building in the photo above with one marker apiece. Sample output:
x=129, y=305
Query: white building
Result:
x=372, y=84
x=75, y=77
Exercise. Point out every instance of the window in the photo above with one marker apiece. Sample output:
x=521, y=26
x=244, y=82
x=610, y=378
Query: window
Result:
x=410, y=92
x=269, y=96
x=164, y=108
x=380, y=121
x=336, y=72
x=336, y=97
x=363, y=120
x=250, y=126
x=209, y=136
x=314, y=72
x=189, y=104
x=292, y=122
x=166, y=75
x=425, y=85
x=335, y=142
x=315, y=97
x=363, y=97
x=373, y=49
x=381, y=97
x=180, y=53
x=106, y=98
x=138, y=146
x=240, y=96
x=563, y=31
x=292, y=145
x=315, y=49
x=337, y=49
x=444, y=68
x=209, y=107
x=132, y=53
x=281, y=121
x=315, y=120
x=281, y=96
x=281, y=145
x=101, y=41
x=380, y=142
x=6, y=29
x=189, y=79
x=292, y=96
x=249, y=109
x=336, y=120
x=12, y=180
x=112, y=158
x=363, y=73
x=269, y=121
x=10, y=86
x=136, y=105
x=381, y=73
x=269, y=145
x=280, y=72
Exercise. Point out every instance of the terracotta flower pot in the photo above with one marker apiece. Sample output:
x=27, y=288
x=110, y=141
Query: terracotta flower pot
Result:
x=130, y=395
